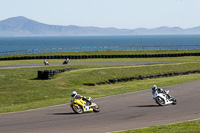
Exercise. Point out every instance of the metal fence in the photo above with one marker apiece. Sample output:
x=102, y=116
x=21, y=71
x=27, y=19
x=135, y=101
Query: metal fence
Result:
x=100, y=48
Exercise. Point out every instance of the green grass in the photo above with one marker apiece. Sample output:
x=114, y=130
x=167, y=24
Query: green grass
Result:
x=166, y=59
x=20, y=90
x=24, y=92
x=94, y=75
x=109, y=52
x=184, y=127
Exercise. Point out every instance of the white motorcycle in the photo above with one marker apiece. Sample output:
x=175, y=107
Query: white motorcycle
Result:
x=163, y=99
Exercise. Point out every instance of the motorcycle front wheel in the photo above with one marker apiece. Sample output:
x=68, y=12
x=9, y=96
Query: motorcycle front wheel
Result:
x=174, y=101
x=77, y=109
x=96, y=108
x=160, y=101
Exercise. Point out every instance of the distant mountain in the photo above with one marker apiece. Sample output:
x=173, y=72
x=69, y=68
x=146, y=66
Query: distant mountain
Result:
x=21, y=26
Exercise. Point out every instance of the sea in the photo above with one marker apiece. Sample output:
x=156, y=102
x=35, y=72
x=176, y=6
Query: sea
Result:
x=25, y=43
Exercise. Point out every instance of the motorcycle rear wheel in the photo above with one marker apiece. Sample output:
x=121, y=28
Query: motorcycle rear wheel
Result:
x=77, y=109
x=160, y=101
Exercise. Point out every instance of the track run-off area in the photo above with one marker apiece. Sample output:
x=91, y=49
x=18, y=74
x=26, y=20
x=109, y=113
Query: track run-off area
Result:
x=119, y=112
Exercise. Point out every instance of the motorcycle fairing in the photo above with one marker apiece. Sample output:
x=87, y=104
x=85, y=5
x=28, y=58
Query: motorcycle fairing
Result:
x=88, y=109
x=167, y=101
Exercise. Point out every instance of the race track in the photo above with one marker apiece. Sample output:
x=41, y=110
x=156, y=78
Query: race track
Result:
x=80, y=63
x=120, y=112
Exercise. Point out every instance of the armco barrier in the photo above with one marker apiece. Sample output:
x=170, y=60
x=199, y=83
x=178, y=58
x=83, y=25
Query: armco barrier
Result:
x=100, y=56
x=113, y=81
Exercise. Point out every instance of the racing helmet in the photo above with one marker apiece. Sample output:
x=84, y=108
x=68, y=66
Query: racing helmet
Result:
x=154, y=87
x=73, y=93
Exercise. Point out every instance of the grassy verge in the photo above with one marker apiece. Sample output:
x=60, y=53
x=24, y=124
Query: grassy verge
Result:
x=184, y=127
x=40, y=95
x=166, y=59
x=94, y=75
x=20, y=90
x=109, y=52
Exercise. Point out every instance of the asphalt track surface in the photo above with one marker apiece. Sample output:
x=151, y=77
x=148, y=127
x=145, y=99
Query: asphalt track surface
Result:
x=120, y=112
x=81, y=63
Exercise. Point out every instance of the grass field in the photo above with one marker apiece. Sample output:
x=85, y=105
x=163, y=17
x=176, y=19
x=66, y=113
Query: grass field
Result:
x=165, y=59
x=108, y=52
x=20, y=89
x=184, y=127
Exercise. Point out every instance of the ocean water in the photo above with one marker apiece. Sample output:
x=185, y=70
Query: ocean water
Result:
x=24, y=43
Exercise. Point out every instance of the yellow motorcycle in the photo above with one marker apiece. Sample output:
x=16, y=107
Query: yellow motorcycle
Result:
x=81, y=105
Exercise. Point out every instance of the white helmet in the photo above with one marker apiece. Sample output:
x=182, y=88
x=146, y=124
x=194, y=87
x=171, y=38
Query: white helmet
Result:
x=73, y=93
x=154, y=87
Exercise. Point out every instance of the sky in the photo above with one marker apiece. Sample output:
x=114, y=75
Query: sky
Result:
x=121, y=14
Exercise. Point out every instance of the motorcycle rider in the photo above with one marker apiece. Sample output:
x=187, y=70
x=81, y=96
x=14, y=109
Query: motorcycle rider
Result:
x=67, y=60
x=77, y=96
x=45, y=61
x=157, y=90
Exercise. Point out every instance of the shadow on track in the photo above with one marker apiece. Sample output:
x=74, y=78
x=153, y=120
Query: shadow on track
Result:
x=146, y=106
x=65, y=113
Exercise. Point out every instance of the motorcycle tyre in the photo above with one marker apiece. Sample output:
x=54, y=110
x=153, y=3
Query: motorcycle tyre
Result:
x=96, y=109
x=74, y=108
x=157, y=101
x=174, y=102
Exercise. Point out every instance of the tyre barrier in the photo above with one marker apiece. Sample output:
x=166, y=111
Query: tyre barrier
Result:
x=89, y=84
x=101, y=56
x=117, y=80
x=47, y=74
